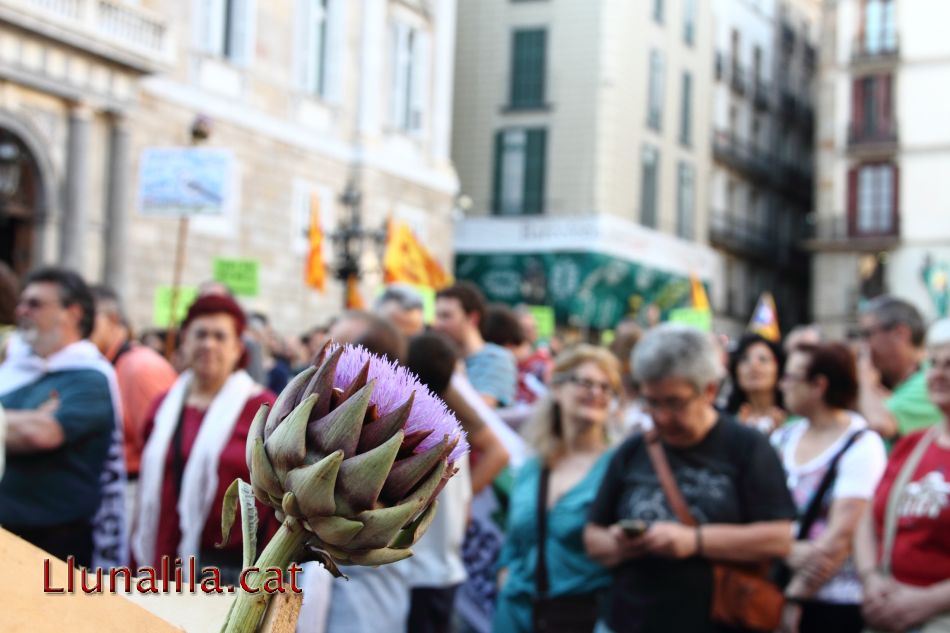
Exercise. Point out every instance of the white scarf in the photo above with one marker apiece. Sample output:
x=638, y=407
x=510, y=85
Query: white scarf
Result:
x=199, y=483
x=22, y=367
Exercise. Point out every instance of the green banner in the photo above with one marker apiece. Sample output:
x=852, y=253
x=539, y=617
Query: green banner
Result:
x=162, y=304
x=585, y=289
x=240, y=275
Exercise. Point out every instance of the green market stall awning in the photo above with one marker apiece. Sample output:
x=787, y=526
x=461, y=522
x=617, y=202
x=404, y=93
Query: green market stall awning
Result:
x=592, y=271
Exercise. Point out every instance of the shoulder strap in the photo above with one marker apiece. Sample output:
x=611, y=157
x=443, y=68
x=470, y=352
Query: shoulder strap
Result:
x=541, y=568
x=662, y=469
x=813, y=511
x=122, y=351
x=897, y=489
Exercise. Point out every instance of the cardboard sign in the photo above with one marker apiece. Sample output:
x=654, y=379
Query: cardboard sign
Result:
x=162, y=304
x=699, y=319
x=544, y=318
x=240, y=275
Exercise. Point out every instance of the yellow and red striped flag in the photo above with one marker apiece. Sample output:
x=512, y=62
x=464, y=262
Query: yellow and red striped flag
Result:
x=354, y=298
x=316, y=271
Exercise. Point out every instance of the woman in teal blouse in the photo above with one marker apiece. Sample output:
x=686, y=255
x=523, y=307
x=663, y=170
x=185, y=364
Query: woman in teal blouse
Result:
x=569, y=433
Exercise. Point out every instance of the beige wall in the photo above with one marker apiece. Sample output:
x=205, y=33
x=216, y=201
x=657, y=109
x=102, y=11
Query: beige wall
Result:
x=921, y=80
x=597, y=76
x=286, y=144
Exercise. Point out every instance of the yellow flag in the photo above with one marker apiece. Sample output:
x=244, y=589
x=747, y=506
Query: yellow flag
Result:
x=316, y=271
x=765, y=319
x=407, y=261
x=698, y=292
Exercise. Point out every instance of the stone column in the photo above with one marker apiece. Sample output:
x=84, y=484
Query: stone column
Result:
x=117, y=207
x=76, y=200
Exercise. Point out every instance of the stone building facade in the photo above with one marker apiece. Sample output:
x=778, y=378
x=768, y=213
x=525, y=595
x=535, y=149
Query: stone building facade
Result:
x=310, y=97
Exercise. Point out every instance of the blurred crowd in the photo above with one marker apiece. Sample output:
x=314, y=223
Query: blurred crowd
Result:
x=634, y=486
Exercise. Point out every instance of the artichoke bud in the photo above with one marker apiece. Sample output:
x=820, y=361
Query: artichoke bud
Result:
x=356, y=450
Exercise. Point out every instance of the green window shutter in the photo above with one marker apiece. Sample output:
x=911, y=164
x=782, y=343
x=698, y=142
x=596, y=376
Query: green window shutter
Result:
x=496, y=184
x=686, y=132
x=534, y=171
x=648, y=186
x=529, y=50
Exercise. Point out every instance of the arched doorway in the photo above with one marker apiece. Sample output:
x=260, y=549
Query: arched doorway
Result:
x=20, y=198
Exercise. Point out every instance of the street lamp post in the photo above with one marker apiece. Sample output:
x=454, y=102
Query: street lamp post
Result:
x=350, y=237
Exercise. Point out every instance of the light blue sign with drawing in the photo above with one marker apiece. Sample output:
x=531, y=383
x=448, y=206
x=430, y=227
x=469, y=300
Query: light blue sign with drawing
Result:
x=186, y=181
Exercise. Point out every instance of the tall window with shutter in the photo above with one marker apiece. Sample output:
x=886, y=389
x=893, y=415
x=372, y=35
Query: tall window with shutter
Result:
x=319, y=47
x=685, y=200
x=528, y=61
x=872, y=109
x=409, y=96
x=655, y=91
x=686, y=110
x=225, y=28
x=519, y=174
x=879, y=30
x=873, y=199
x=689, y=21
x=649, y=186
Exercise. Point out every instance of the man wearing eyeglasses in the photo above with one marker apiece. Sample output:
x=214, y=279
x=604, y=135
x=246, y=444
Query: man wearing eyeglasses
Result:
x=893, y=390
x=62, y=434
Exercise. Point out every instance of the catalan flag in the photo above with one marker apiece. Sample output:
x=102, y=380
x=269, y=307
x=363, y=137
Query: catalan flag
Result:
x=354, y=298
x=407, y=261
x=316, y=271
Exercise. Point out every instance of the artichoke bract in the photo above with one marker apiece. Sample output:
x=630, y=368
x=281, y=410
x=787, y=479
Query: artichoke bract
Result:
x=356, y=449
x=351, y=457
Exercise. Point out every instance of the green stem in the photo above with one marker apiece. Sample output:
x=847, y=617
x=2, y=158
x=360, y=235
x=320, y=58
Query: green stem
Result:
x=248, y=609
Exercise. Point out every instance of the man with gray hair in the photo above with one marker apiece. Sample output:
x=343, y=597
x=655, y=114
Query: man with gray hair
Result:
x=728, y=475
x=892, y=379
x=402, y=305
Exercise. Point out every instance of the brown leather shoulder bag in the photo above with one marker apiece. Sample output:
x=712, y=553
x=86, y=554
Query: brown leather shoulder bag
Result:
x=742, y=596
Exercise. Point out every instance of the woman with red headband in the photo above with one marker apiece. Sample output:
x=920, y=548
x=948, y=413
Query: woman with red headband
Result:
x=196, y=445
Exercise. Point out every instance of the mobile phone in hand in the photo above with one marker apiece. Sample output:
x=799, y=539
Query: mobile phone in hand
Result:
x=634, y=528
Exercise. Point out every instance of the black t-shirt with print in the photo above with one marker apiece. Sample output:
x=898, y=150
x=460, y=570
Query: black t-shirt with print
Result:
x=732, y=476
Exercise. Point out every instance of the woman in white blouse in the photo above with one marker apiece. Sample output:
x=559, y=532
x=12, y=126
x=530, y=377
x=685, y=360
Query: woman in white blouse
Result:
x=833, y=463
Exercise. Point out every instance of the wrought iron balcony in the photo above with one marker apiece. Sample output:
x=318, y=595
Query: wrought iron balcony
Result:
x=882, y=48
x=869, y=137
x=841, y=233
x=740, y=235
x=741, y=156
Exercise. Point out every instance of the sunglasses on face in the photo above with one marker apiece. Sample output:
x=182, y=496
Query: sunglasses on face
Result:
x=591, y=385
x=34, y=303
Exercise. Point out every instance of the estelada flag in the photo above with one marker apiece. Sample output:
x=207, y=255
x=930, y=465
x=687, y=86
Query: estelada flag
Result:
x=698, y=294
x=765, y=319
x=354, y=299
x=407, y=261
x=315, y=272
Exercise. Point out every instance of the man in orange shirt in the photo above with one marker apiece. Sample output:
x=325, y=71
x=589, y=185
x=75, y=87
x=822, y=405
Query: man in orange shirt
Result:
x=142, y=374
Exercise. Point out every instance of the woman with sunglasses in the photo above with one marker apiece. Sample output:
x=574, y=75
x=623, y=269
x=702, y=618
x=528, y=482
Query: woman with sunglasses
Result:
x=728, y=476
x=833, y=463
x=551, y=496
